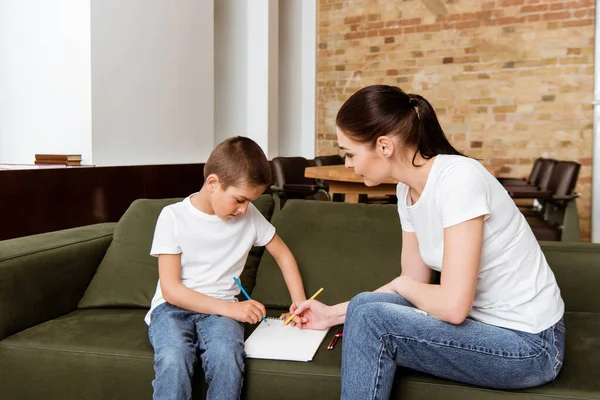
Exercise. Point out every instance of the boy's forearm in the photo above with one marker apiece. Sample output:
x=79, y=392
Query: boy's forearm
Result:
x=293, y=279
x=189, y=299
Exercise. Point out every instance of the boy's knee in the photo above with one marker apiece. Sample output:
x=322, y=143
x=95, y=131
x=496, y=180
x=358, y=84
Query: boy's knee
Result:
x=173, y=358
x=226, y=349
x=226, y=355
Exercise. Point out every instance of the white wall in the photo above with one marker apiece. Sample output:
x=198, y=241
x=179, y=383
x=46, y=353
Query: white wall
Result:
x=230, y=69
x=297, y=77
x=45, y=102
x=152, y=81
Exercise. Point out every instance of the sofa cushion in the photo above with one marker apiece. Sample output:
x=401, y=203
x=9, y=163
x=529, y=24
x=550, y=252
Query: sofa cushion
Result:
x=344, y=248
x=128, y=274
x=320, y=378
x=105, y=353
x=87, y=355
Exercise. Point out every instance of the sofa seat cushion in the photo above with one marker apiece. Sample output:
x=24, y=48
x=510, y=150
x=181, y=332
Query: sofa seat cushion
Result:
x=87, y=354
x=128, y=274
x=320, y=378
x=105, y=353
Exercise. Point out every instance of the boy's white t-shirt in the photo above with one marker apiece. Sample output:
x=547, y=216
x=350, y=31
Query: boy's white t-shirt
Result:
x=516, y=288
x=212, y=251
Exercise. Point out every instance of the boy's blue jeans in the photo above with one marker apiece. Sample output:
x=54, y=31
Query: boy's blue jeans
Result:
x=384, y=331
x=178, y=336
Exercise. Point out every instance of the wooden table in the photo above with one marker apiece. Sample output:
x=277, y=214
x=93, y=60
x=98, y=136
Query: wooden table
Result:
x=345, y=181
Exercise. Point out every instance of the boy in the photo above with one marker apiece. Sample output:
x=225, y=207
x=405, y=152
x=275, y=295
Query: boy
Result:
x=201, y=244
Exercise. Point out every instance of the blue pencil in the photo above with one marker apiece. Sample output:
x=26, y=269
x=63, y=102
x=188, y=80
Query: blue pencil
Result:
x=237, y=282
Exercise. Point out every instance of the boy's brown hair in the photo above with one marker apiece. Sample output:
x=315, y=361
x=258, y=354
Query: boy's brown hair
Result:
x=238, y=161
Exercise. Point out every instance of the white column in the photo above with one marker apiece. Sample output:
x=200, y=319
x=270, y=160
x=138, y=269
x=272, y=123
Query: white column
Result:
x=309, y=78
x=262, y=75
x=596, y=139
x=297, y=77
x=231, y=20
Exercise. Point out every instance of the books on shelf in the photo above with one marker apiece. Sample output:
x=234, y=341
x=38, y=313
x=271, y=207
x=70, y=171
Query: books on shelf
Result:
x=58, y=159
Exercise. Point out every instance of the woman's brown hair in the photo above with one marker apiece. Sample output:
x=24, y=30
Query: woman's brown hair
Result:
x=380, y=110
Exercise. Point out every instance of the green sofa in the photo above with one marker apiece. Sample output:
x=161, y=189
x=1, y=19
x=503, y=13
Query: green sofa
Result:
x=72, y=305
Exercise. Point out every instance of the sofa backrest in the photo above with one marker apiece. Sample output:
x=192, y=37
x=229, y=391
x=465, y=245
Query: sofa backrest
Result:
x=344, y=248
x=127, y=275
x=350, y=248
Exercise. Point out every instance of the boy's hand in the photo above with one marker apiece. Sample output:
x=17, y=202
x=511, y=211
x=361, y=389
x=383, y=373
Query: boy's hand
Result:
x=249, y=311
x=285, y=316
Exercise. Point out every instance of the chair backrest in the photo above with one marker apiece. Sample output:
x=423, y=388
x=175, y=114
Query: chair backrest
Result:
x=329, y=160
x=534, y=175
x=290, y=170
x=545, y=173
x=564, y=177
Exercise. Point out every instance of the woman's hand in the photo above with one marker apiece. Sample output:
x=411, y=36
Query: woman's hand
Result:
x=393, y=286
x=310, y=314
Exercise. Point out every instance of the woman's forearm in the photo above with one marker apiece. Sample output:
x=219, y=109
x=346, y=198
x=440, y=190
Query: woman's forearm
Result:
x=337, y=314
x=433, y=299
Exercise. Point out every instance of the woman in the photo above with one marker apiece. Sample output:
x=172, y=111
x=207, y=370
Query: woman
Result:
x=495, y=319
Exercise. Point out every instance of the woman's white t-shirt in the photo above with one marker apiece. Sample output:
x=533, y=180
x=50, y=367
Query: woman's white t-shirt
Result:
x=515, y=286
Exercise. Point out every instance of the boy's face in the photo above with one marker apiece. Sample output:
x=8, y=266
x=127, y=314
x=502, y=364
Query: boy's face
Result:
x=234, y=200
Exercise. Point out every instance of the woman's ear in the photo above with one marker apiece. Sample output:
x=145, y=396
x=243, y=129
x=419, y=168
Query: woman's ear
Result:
x=385, y=146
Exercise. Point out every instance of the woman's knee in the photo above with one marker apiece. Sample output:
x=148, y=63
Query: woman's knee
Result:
x=376, y=297
x=359, y=300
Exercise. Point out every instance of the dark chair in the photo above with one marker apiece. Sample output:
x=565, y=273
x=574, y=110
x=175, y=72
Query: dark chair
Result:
x=321, y=161
x=532, y=179
x=289, y=179
x=329, y=160
x=555, y=218
x=539, y=181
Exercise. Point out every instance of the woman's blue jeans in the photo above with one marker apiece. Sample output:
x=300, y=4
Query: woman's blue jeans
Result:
x=383, y=331
x=178, y=336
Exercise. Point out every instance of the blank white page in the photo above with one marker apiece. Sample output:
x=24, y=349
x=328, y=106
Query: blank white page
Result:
x=278, y=342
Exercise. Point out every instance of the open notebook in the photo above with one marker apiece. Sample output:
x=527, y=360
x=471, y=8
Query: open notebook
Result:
x=278, y=342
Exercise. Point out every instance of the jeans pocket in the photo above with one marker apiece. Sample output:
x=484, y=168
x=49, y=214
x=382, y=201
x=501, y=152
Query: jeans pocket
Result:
x=561, y=327
x=558, y=337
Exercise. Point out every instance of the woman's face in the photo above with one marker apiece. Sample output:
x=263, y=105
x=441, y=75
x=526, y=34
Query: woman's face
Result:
x=372, y=165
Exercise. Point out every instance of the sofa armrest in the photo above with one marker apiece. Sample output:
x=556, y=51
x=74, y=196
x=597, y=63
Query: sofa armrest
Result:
x=530, y=194
x=44, y=276
x=513, y=181
x=576, y=266
x=566, y=197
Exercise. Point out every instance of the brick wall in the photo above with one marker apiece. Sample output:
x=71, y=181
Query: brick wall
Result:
x=511, y=80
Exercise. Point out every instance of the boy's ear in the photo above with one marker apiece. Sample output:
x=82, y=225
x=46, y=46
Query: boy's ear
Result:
x=212, y=182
